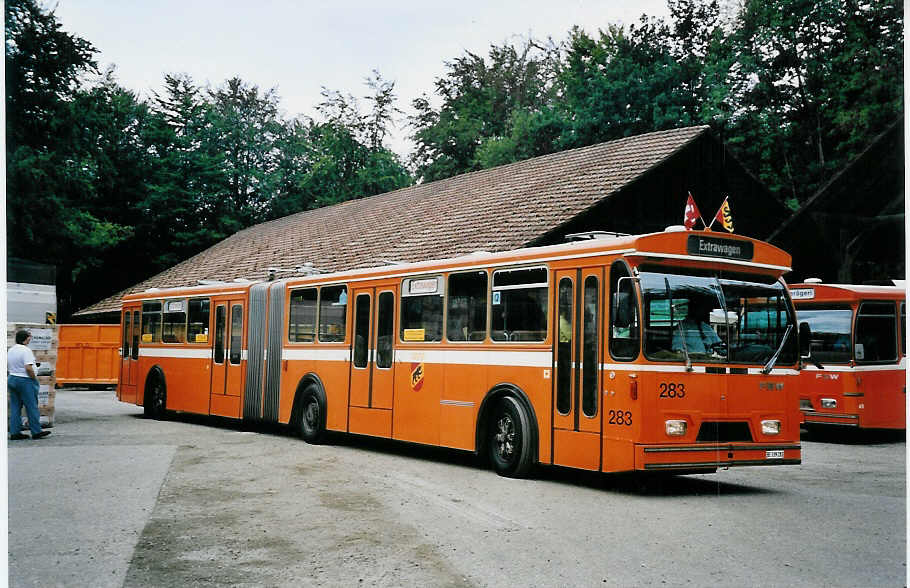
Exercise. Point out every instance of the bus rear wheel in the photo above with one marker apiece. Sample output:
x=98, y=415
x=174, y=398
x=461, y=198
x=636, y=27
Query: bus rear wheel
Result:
x=312, y=417
x=155, y=401
x=509, y=439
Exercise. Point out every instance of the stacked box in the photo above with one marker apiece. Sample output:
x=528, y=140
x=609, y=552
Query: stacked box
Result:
x=44, y=346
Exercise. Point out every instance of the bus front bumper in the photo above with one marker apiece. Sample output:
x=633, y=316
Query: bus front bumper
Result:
x=710, y=456
x=814, y=417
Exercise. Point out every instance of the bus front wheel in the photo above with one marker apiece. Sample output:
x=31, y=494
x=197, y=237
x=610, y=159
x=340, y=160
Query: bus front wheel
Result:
x=510, y=439
x=312, y=418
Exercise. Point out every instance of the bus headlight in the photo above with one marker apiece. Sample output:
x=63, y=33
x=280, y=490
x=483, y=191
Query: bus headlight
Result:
x=676, y=428
x=829, y=403
x=770, y=427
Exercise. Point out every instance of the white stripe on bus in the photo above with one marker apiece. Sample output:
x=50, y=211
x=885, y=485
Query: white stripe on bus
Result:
x=182, y=353
x=315, y=353
x=514, y=358
x=543, y=359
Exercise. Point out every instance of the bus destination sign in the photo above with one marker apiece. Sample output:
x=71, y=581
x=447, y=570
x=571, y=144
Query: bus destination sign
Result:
x=716, y=247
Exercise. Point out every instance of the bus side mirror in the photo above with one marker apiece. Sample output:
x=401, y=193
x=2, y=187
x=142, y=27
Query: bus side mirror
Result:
x=805, y=338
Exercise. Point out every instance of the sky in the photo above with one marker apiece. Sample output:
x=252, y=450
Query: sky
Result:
x=301, y=47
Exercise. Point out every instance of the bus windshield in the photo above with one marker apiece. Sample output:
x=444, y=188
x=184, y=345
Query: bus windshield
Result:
x=830, y=332
x=712, y=319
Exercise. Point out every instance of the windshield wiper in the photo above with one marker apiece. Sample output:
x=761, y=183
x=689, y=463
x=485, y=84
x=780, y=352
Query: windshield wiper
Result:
x=682, y=334
x=770, y=365
x=723, y=306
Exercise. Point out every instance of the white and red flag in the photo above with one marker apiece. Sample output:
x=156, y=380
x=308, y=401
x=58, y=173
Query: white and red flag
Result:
x=691, y=214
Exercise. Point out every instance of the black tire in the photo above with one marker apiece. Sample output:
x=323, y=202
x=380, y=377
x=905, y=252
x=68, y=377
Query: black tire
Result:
x=510, y=439
x=312, y=415
x=155, y=402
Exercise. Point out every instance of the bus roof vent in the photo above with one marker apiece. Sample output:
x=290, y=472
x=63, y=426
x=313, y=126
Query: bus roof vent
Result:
x=590, y=235
x=210, y=282
x=812, y=281
x=307, y=269
x=675, y=229
x=153, y=289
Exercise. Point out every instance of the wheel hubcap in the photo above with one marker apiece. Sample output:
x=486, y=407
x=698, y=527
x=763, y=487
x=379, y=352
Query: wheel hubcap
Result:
x=312, y=414
x=505, y=437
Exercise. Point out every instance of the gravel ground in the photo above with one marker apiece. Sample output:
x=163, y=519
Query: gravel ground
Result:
x=112, y=499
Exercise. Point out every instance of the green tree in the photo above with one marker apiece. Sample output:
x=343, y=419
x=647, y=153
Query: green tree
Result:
x=623, y=83
x=814, y=83
x=182, y=208
x=483, y=102
x=246, y=127
x=56, y=173
x=342, y=156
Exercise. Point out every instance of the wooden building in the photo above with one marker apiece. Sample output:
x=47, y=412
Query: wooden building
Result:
x=852, y=231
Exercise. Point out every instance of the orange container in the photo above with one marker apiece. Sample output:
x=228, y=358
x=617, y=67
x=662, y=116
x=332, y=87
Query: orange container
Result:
x=88, y=354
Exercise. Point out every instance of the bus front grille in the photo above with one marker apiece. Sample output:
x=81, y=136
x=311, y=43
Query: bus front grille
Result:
x=722, y=432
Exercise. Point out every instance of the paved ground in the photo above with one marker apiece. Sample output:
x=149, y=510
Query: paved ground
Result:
x=112, y=499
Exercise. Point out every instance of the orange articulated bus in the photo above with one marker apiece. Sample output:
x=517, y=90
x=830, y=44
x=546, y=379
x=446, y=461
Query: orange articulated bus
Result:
x=649, y=352
x=858, y=349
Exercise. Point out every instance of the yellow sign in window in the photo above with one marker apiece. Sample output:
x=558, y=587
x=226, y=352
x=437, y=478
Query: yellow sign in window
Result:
x=202, y=338
x=146, y=337
x=415, y=335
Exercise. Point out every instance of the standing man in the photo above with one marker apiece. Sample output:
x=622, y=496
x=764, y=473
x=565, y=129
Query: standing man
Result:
x=22, y=385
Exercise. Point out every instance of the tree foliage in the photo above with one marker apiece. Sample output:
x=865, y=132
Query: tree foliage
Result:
x=112, y=188
x=796, y=88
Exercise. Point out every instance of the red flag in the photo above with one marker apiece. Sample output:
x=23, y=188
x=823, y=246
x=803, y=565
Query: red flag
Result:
x=691, y=214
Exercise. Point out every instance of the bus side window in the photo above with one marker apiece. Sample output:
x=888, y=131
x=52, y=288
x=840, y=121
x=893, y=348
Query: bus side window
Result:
x=302, y=316
x=198, y=321
x=624, y=325
x=876, y=332
x=519, y=304
x=151, y=321
x=421, y=309
x=174, y=322
x=467, y=307
x=333, y=312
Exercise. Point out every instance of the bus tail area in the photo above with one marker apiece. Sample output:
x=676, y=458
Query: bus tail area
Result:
x=857, y=376
x=675, y=351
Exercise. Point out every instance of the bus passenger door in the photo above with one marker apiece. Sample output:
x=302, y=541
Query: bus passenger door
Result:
x=227, y=364
x=372, y=361
x=576, y=399
x=129, y=356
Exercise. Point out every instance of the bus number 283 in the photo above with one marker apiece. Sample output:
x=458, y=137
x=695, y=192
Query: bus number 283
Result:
x=672, y=390
x=621, y=417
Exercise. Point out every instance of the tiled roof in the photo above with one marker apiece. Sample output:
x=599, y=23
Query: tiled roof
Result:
x=496, y=209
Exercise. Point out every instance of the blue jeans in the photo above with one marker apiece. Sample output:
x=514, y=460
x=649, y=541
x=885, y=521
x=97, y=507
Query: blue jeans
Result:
x=23, y=391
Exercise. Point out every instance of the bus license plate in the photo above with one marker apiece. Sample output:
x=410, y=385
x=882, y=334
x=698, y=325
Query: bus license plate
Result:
x=774, y=454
